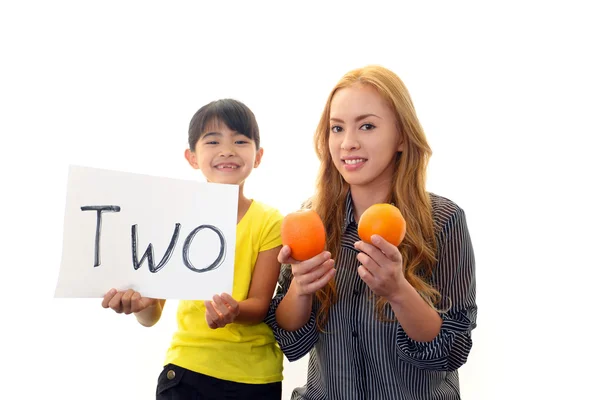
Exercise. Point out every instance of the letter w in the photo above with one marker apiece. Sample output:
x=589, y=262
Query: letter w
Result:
x=149, y=253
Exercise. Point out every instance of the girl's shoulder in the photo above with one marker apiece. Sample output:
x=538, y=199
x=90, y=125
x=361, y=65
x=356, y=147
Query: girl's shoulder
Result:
x=263, y=211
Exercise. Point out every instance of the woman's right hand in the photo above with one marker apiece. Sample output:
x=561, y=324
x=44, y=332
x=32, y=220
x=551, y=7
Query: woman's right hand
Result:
x=127, y=301
x=310, y=275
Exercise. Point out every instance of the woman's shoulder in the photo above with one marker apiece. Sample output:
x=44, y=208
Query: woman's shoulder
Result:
x=444, y=211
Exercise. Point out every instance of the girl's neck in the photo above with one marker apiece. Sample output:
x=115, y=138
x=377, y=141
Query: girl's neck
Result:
x=365, y=196
x=243, y=204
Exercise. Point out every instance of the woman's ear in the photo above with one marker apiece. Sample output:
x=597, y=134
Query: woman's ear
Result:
x=190, y=156
x=400, y=148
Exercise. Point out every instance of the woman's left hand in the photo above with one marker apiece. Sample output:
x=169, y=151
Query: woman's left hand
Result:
x=382, y=268
x=221, y=311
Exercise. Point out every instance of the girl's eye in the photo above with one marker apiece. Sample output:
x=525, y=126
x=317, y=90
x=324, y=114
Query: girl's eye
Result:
x=212, y=142
x=367, y=127
x=241, y=142
x=336, y=129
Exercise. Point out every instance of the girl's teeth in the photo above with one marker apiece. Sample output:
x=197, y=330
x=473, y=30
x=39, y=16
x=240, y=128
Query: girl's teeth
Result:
x=226, y=167
x=355, y=161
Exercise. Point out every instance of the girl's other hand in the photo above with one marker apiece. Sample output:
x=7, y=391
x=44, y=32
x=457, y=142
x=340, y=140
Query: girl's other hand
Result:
x=222, y=310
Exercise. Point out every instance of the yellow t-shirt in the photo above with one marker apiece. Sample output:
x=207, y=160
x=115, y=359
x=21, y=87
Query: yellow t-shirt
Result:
x=237, y=352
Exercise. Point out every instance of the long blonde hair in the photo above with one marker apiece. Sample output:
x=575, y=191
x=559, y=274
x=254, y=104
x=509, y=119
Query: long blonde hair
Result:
x=407, y=192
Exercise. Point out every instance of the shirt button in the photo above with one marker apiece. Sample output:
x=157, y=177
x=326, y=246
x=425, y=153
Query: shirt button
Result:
x=354, y=334
x=356, y=292
x=170, y=374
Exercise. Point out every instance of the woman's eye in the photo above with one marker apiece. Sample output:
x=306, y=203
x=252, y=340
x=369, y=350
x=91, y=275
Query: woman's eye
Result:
x=336, y=129
x=367, y=127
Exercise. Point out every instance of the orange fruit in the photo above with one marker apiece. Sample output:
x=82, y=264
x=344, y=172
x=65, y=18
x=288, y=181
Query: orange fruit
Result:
x=304, y=232
x=384, y=220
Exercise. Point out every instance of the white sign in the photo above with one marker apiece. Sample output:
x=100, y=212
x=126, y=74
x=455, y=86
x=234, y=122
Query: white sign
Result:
x=165, y=238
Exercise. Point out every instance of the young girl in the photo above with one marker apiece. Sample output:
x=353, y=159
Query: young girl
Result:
x=380, y=322
x=221, y=348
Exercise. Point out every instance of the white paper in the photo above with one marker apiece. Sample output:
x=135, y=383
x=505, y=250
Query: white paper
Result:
x=155, y=205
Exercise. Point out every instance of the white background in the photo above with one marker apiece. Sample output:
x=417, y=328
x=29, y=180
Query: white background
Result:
x=508, y=95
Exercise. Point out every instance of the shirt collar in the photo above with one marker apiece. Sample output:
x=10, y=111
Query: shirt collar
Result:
x=349, y=217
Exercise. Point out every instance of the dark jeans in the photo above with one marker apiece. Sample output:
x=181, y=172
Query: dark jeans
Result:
x=175, y=383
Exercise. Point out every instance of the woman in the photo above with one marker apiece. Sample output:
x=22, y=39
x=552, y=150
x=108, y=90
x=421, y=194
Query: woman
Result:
x=380, y=322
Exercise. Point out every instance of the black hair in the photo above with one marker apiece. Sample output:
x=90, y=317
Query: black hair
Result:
x=233, y=113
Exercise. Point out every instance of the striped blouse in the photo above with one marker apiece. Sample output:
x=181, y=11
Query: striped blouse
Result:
x=361, y=357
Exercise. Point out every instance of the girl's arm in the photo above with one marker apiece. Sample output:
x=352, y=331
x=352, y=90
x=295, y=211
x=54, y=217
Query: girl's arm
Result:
x=264, y=278
x=151, y=314
x=224, y=309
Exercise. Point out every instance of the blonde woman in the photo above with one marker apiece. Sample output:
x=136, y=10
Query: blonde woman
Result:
x=379, y=321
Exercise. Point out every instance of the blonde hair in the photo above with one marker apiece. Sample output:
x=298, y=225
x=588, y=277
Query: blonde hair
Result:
x=407, y=192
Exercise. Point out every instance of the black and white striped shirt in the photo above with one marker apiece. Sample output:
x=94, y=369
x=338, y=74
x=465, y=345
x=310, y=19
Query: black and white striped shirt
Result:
x=361, y=357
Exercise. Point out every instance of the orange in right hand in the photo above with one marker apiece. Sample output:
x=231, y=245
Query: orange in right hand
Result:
x=384, y=220
x=304, y=232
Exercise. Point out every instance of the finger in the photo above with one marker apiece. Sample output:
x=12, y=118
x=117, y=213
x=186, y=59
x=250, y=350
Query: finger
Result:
x=145, y=302
x=315, y=274
x=307, y=266
x=215, y=309
x=220, y=306
x=209, y=321
x=108, y=297
x=126, y=301
x=139, y=303
x=371, y=266
x=367, y=277
x=221, y=323
x=115, y=303
x=373, y=252
x=231, y=303
x=390, y=251
x=211, y=313
x=220, y=319
x=319, y=283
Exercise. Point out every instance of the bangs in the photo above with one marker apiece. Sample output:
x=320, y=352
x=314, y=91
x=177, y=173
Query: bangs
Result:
x=235, y=115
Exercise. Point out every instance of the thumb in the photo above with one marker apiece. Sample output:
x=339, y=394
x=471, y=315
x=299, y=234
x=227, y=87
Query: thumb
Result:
x=284, y=254
x=146, y=302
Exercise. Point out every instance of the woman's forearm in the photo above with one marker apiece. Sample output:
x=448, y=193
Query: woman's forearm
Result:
x=418, y=319
x=294, y=310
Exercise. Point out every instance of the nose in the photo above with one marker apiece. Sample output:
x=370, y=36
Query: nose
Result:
x=227, y=151
x=350, y=141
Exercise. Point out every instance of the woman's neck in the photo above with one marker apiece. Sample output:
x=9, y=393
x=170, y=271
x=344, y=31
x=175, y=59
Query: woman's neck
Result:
x=365, y=196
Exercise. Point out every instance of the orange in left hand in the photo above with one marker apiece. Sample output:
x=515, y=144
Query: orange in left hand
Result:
x=384, y=220
x=304, y=232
